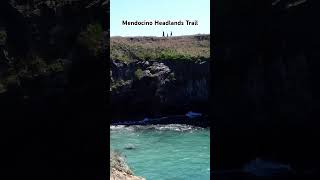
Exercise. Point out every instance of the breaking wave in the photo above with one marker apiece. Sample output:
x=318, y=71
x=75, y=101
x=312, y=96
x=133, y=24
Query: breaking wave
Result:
x=167, y=127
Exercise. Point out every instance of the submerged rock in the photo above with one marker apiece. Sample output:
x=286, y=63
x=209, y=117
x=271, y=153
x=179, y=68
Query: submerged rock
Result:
x=130, y=146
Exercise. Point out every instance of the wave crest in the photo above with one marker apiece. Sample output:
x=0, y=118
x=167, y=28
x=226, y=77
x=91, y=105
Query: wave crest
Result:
x=167, y=127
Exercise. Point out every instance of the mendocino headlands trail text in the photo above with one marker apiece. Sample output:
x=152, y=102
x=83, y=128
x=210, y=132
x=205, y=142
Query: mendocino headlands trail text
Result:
x=158, y=22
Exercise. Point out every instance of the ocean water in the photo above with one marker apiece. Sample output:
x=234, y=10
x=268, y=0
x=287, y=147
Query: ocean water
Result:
x=164, y=152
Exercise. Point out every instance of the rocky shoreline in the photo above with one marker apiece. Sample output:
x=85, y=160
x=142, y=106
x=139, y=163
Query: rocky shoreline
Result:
x=119, y=168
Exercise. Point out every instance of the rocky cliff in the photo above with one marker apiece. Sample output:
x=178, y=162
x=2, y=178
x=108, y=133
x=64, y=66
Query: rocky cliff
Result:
x=265, y=100
x=170, y=84
x=52, y=88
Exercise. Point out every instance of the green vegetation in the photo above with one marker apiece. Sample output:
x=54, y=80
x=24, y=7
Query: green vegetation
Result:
x=120, y=83
x=151, y=48
x=138, y=73
x=172, y=77
x=37, y=66
x=10, y=77
x=56, y=67
x=27, y=69
x=92, y=38
x=174, y=55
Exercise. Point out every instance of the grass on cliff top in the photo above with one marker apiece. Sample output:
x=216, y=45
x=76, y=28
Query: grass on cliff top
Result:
x=160, y=48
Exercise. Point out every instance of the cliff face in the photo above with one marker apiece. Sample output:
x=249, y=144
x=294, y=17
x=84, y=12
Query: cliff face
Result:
x=155, y=88
x=45, y=44
x=172, y=83
x=52, y=79
x=265, y=100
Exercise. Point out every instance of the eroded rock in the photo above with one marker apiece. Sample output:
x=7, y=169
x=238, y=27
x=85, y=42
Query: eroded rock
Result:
x=119, y=168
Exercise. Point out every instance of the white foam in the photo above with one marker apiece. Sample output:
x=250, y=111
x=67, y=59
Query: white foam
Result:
x=167, y=127
x=121, y=127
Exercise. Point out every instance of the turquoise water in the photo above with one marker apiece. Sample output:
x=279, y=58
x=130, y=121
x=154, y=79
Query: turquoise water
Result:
x=164, y=152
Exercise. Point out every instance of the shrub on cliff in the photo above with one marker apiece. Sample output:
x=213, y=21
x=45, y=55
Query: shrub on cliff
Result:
x=173, y=55
x=11, y=79
x=92, y=38
x=27, y=68
x=56, y=67
x=138, y=74
x=38, y=65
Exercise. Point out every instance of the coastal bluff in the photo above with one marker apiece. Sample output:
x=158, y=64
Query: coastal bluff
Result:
x=159, y=76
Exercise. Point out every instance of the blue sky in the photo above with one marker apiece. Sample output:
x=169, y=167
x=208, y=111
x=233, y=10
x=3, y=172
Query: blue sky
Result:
x=163, y=10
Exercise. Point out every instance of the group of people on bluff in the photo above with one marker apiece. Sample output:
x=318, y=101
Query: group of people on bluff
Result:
x=167, y=34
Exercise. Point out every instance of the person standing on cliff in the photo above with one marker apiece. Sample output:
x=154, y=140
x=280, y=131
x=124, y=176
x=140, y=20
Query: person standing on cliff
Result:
x=167, y=35
x=171, y=33
x=162, y=33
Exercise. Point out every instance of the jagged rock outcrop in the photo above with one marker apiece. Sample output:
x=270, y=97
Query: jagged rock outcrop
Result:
x=119, y=168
